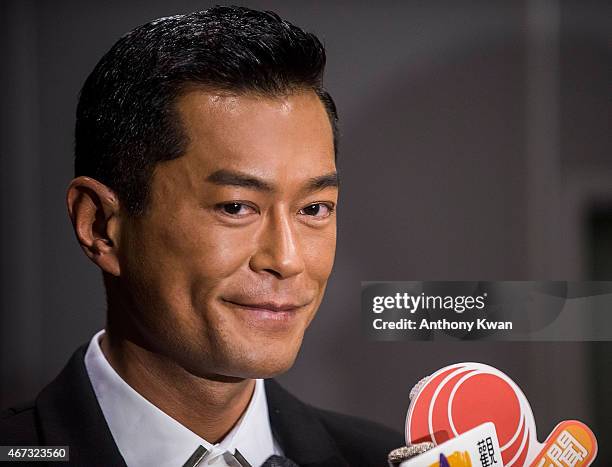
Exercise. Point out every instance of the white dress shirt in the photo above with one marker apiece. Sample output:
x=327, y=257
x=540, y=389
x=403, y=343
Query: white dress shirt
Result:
x=148, y=437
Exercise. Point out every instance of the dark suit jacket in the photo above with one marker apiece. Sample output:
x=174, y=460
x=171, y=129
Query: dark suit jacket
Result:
x=66, y=412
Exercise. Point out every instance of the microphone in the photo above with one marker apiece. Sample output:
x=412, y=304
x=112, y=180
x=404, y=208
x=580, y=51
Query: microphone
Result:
x=399, y=455
x=476, y=447
x=476, y=414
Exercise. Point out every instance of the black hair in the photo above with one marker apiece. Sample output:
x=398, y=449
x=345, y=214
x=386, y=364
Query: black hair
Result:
x=126, y=119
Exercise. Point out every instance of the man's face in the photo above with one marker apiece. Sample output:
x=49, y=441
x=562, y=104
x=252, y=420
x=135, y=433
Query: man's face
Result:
x=228, y=266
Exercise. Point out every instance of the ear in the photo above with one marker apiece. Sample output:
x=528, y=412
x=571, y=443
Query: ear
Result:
x=94, y=211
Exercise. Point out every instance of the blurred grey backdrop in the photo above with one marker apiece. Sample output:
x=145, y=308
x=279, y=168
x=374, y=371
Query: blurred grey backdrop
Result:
x=475, y=146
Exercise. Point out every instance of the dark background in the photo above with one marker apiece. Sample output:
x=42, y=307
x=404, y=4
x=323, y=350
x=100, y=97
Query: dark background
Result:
x=475, y=146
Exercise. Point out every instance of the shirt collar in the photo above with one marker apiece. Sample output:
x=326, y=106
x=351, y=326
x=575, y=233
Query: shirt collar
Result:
x=147, y=436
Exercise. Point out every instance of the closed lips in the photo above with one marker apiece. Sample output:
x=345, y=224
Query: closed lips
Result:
x=268, y=306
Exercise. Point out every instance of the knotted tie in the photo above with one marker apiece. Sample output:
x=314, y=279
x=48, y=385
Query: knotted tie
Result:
x=278, y=461
x=203, y=457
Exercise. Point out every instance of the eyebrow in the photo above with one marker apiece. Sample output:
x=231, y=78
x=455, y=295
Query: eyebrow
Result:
x=330, y=180
x=232, y=178
x=225, y=177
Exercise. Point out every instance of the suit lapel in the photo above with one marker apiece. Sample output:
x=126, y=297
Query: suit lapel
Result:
x=69, y=414
x=300, y=433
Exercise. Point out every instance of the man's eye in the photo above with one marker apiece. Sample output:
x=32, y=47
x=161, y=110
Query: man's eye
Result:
x=319, y=210
x=235, y=209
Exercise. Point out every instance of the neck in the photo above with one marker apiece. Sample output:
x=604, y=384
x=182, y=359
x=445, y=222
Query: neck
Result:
x=209, y=408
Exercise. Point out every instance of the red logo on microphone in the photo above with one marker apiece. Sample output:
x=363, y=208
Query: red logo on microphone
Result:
x=460, y=397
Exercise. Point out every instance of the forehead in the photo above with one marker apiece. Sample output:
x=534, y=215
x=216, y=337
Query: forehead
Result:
x=274, y=137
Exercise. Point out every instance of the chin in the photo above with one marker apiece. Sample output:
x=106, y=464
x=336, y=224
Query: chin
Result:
x=267, y=364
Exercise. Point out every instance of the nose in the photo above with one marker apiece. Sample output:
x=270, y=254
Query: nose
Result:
x=278, y=248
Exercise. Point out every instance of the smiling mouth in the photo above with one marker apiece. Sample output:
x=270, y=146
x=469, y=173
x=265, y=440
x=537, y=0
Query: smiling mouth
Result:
x=268, y=316
x=266, y=306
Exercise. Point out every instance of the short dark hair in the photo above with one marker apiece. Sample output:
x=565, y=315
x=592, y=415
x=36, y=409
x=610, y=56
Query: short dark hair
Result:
x=126, y=118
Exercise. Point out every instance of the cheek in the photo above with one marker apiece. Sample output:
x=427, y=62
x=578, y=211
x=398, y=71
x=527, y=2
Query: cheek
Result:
x=183, y=257
x=216, y=252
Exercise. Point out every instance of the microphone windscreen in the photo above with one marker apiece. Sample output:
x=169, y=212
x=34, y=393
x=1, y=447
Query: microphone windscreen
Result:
x=417, y=387
x=399, y=455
